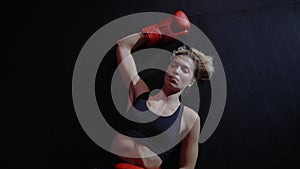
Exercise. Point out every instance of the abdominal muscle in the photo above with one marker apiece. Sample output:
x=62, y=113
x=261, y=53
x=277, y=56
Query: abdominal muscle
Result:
x=135, y=153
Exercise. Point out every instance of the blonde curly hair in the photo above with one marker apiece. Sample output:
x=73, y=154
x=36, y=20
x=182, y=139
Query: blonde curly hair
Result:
x=203, y=63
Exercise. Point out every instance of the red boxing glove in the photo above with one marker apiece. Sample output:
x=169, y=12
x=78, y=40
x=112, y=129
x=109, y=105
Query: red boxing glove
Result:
x=127, y=166
x=163, y=31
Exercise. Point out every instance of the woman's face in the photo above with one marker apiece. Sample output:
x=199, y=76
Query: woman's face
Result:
x=180, y=72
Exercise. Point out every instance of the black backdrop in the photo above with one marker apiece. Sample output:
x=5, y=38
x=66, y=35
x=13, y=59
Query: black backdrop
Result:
x=257, y=41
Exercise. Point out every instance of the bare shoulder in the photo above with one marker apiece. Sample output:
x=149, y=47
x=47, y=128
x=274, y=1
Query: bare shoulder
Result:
x=190, y=117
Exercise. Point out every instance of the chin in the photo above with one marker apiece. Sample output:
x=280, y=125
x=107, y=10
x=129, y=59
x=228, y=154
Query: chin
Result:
x=172, y=87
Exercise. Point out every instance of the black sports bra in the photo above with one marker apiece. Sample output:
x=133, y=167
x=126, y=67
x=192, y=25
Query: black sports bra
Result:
x=140, y=112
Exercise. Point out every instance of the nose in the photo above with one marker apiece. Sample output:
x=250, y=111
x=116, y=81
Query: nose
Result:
x=177, y=70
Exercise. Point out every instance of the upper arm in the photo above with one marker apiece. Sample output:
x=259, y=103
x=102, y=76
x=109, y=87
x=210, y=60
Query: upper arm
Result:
x=127, y=67
x=136, y=89
x=189, y=149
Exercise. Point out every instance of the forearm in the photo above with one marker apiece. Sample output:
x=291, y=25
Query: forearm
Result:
x=190, y=162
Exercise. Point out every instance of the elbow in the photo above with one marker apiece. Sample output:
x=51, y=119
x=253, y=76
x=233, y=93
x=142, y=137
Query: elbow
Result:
x=123, y=44
x=123, y=48
x=120, y=44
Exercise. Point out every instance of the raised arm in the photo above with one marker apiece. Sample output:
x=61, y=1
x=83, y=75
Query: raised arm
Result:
x=162, y=32
x=127, y=67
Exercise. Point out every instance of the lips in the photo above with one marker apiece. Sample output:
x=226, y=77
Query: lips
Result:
x=173, y=79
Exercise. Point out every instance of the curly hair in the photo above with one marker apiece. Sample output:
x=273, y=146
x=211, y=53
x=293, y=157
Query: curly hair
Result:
x=203, y=63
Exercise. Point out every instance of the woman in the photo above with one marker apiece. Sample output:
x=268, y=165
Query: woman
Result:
x=187, y=66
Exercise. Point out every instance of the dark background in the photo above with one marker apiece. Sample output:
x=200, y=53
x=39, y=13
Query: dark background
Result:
x=258, y=42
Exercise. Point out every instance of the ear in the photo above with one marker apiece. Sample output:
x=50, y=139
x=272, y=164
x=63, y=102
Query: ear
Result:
x=192, y=82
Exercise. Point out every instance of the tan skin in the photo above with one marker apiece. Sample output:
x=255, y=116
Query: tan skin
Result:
x=179, y=75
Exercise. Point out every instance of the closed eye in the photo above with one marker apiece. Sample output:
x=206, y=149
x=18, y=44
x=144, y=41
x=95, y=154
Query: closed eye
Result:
x=185, y=69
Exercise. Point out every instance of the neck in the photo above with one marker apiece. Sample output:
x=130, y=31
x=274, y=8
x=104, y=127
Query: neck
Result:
x=168, y=96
